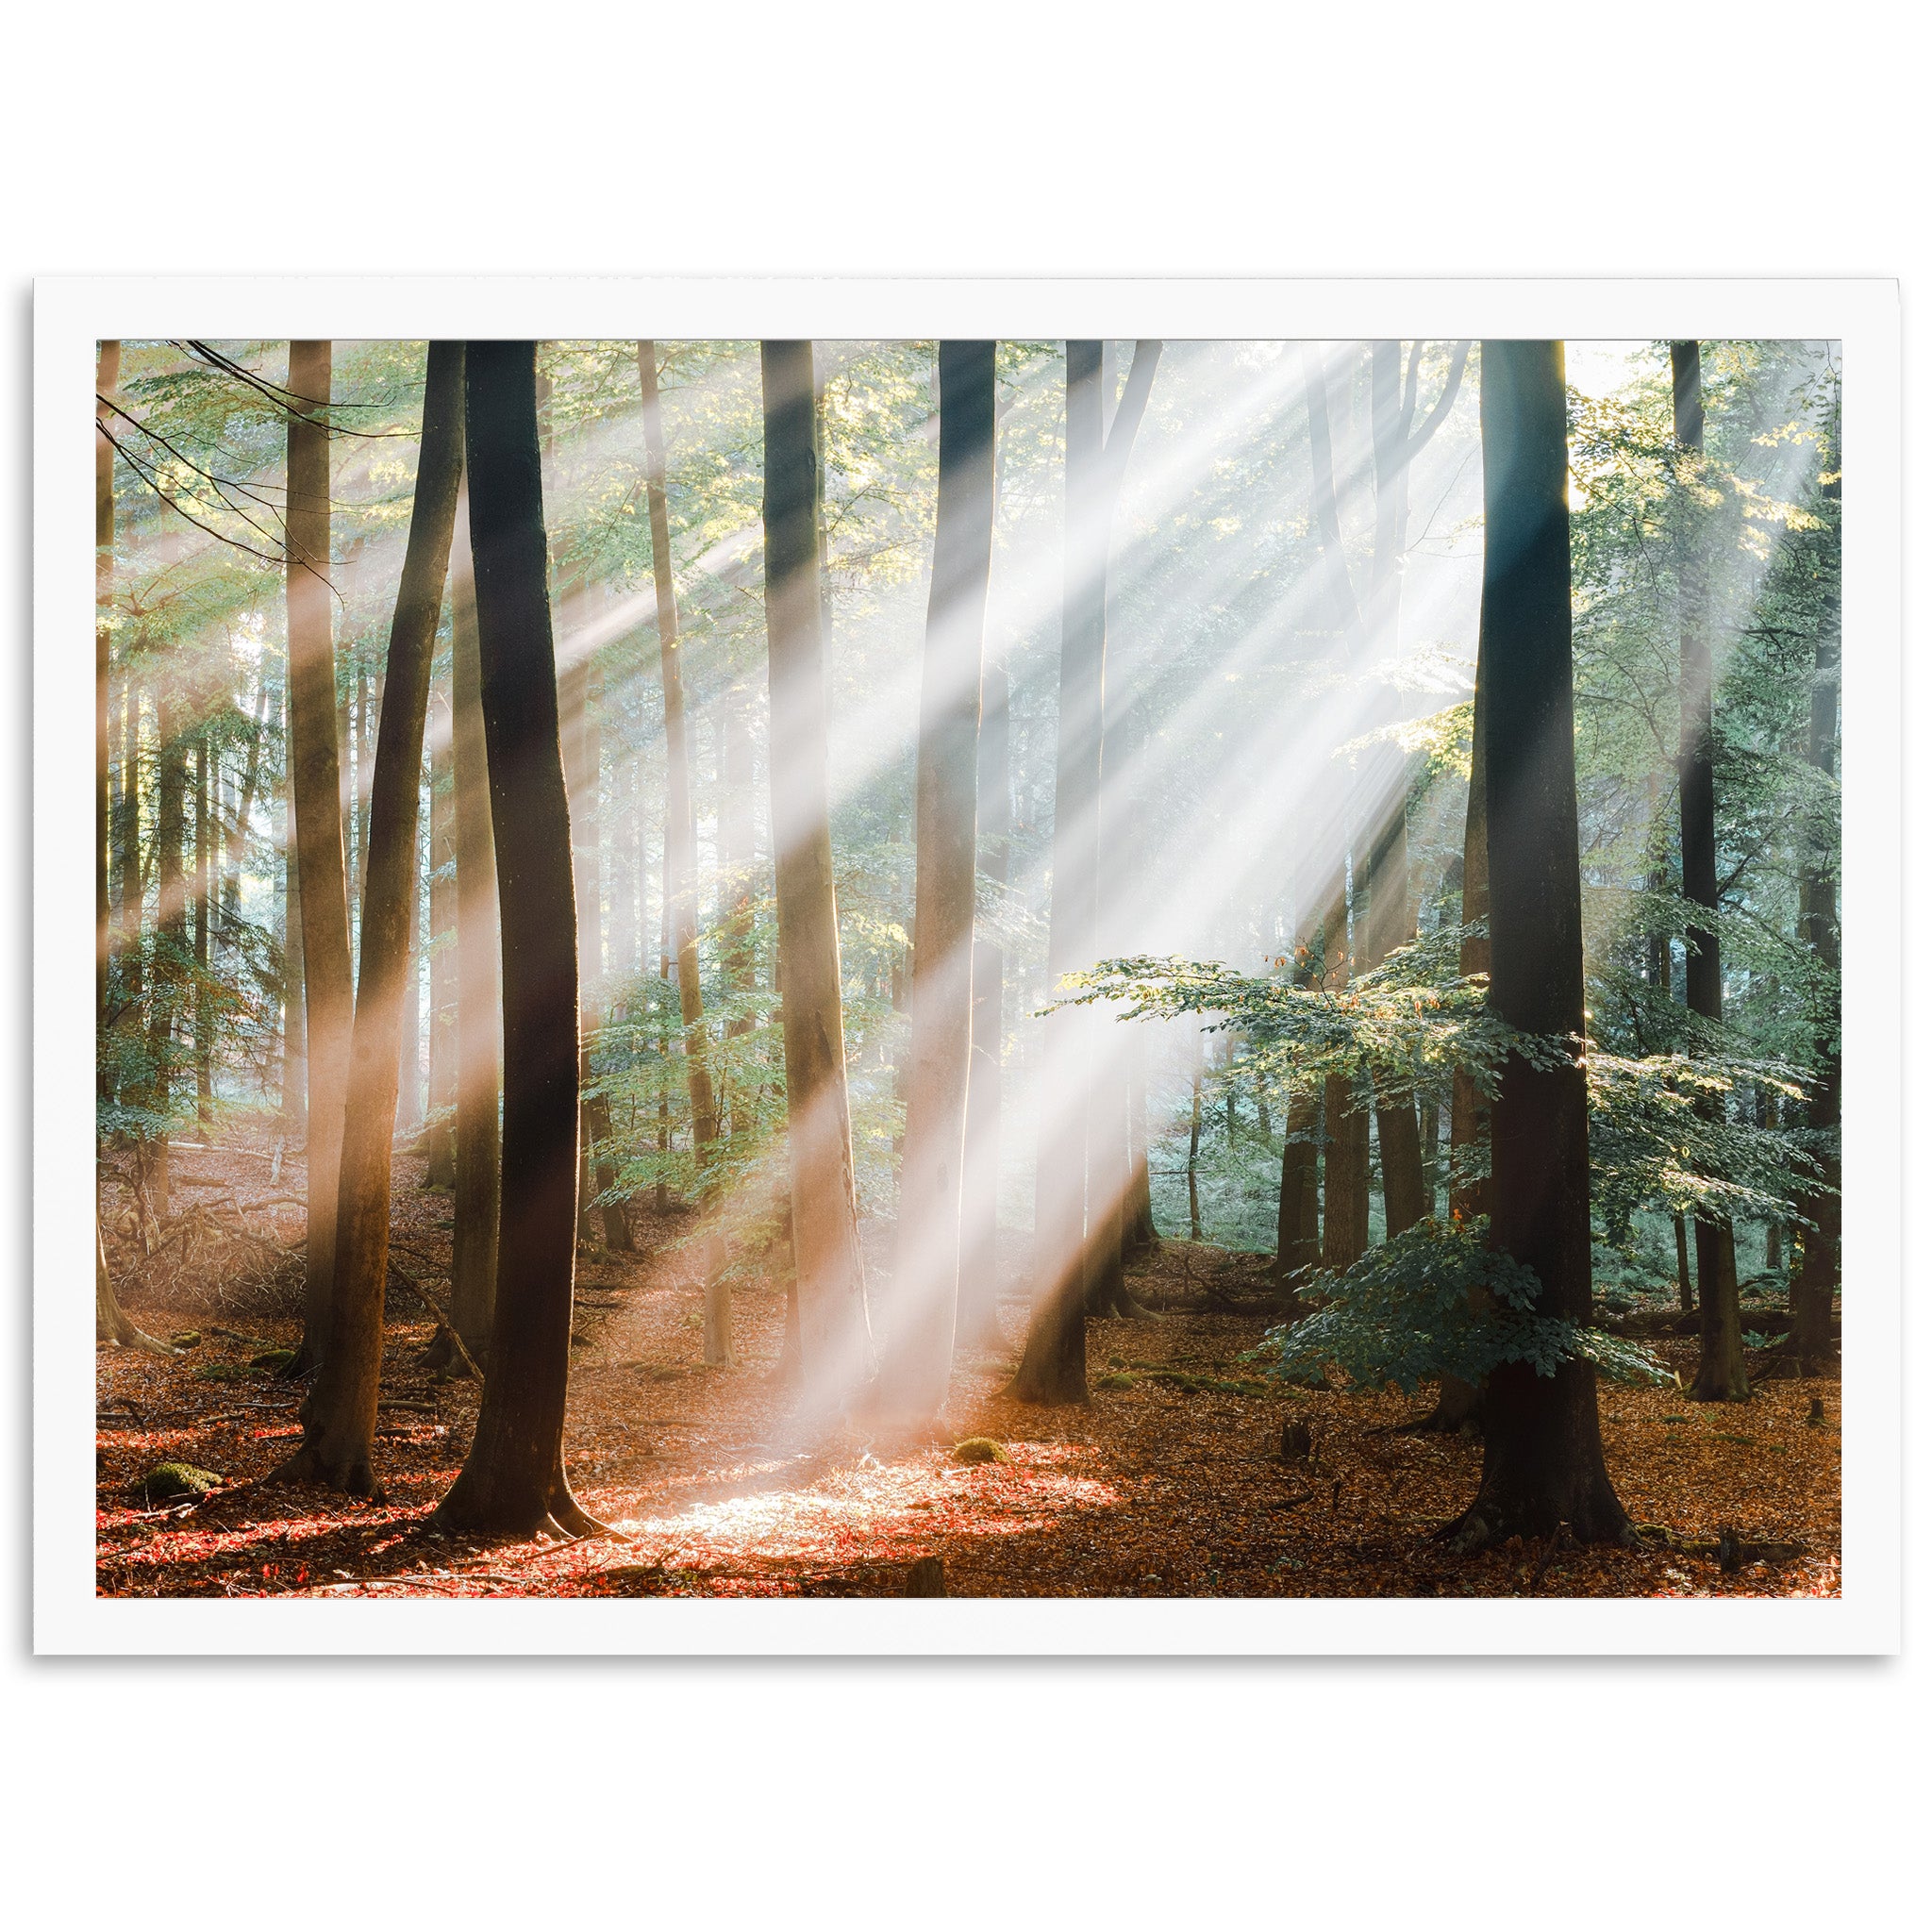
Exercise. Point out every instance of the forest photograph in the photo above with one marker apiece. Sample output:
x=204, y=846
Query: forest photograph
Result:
x=1191, y=969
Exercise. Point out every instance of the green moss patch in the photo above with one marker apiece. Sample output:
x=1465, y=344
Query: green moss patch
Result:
x=166, y=1482
x=979, y=1449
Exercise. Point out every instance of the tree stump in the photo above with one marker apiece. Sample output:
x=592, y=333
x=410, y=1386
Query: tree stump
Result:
x=927, y=1578
x=1297, y=1443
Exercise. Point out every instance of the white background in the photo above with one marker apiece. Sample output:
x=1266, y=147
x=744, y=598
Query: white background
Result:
x=1429, y=142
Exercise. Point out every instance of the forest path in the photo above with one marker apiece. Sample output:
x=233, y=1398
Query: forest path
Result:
x=1170, y=1484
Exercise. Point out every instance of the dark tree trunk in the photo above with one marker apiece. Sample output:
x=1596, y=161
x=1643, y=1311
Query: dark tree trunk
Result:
x=1195, y=1139
x=927, y=1292
x=339, y=1417
x=1542, y=1454
x=1298, y=1211
x=479, y=1045
x=1721, y=1373
x=1345, y=1120
x=513, y=1481
x=835, y=1341
x=316, y=780
x=1071, y=1217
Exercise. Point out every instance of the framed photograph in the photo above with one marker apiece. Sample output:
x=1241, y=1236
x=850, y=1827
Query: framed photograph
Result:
x=881, y=976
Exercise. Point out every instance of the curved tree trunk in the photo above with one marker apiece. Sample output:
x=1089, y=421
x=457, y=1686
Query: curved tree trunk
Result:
x=513, y=1481
x=339, y=1418
x=834, y=1333
x=479, y=1050
x=316, y=780
x=1721, y=1373
x=927, y=1293
x=439, y=1144
x=1542, y=1451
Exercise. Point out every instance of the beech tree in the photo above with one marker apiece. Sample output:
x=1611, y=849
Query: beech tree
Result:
x=512, y=1482
x=1077, y=1212
x=479, y=1016
x=1721, y=1374
x=834, y=1328
x=339, y=1418
x=1542, y=1451
x=317, y=803
x=680, y=834
x=944, y=820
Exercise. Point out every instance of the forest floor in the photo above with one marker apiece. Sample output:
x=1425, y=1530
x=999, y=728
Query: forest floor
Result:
x=1172, y=1483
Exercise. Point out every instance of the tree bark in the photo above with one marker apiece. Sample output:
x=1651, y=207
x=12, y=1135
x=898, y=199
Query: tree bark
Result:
x=513, y=1481
x=445, y=890
x=203, y=956
x=1817, y=1246
x=1071, y=1218
x=1720, y=1372
x=835, y=1341
x=1542, y=1452
x=316, y=783
x=478, y=1054
x=106, y=375
x=339, y=1417
x=927, y=1293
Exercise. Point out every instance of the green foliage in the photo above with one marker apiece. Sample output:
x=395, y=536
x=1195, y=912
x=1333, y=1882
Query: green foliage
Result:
x=1435, y=1301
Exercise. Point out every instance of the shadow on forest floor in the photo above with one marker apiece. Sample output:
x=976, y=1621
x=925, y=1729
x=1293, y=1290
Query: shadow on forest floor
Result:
x=1170, y=1484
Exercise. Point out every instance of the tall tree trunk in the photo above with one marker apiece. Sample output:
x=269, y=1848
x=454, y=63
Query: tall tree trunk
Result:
x=1345, y=1120
x=339, y=1417
x=409, y=1059
x=131, y=894
x=1069, y=1215
x=1542, y=1452
x=477, y=1080
x=1195, y=1139
x=445, y=891
x=316, y=780
x=1721, y=1373
x=1297, y=1216
x=1468, y=1111
x=979, y=1202
x=293, y=1124
x=835, y=1342
x=513, y=1481
x=1815, y=1278
x=203, y=957
x=171, y=952
x=680, y=837
x=926, y=1295
x=106, y=375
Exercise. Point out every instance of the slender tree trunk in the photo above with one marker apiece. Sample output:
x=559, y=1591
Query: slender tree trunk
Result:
x=979, y=1211
x=316, y=789
x=1070, y=1215
x=926, y=1295
x=339, y=1418
x=106, y=375
x=1721, y=1373
x=835, y=1342
x=444, y=890
x=131, y=894
x=680, y=841
x=294, y=1112
x=1468, y=1111
x=479, y=1045
x=171, y=954
x=1297, y=1218
x=1817, y=1245
x=513, y=1481
x=1345, y=1120
x=408, y=1063
x=204, y=906
x=1542, y=1452
x=1194, y=1140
